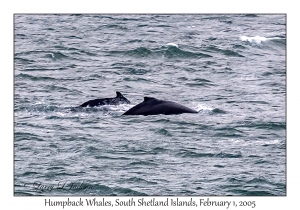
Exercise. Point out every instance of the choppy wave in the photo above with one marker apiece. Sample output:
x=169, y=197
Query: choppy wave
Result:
x=261, y=39
x=227, y=52
x=34, y=78
x=188, y=153
x=168, y=51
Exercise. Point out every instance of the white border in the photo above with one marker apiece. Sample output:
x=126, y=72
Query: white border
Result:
x=8, y=8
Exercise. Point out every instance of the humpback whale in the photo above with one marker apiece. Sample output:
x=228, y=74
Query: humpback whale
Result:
x=153, y=106
x=119, y=99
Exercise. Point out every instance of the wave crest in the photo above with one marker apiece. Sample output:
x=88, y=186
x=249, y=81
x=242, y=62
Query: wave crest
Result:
x=171, y=50
x=255, y=39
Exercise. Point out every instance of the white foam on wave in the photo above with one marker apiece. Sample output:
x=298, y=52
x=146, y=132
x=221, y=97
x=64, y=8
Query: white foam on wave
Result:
x=201, y=107
x=106, y=109
x=115, y=108
x=172, y=44
x=255, y=39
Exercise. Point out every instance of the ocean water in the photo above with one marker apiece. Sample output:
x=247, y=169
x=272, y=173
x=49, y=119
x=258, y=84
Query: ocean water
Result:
x=230, y=68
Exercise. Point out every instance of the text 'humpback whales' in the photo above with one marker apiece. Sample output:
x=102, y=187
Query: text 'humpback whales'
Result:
x=119, y=99
x=153, y=106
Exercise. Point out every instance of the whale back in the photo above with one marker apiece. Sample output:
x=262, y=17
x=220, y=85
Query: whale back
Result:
x=119, y=99
x=153, y=106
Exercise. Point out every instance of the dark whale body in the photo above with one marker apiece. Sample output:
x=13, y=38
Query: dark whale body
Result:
x=153, y=106
x=119, y=99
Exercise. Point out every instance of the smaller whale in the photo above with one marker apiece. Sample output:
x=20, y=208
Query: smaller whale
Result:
x=153, y=106
x=119, y=99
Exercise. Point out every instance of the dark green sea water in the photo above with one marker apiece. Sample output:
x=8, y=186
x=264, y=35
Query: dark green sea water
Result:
x=231, y=68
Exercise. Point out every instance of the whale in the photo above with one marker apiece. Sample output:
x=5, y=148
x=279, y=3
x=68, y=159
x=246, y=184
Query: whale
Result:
x=119, y=99
x=153, y=106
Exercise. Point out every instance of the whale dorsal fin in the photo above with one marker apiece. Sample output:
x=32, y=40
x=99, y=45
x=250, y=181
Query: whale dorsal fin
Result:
x=148, y=98
x=118, y=94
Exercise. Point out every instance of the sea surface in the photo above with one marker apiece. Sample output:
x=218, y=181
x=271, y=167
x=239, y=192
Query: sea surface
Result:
x=230, y=68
